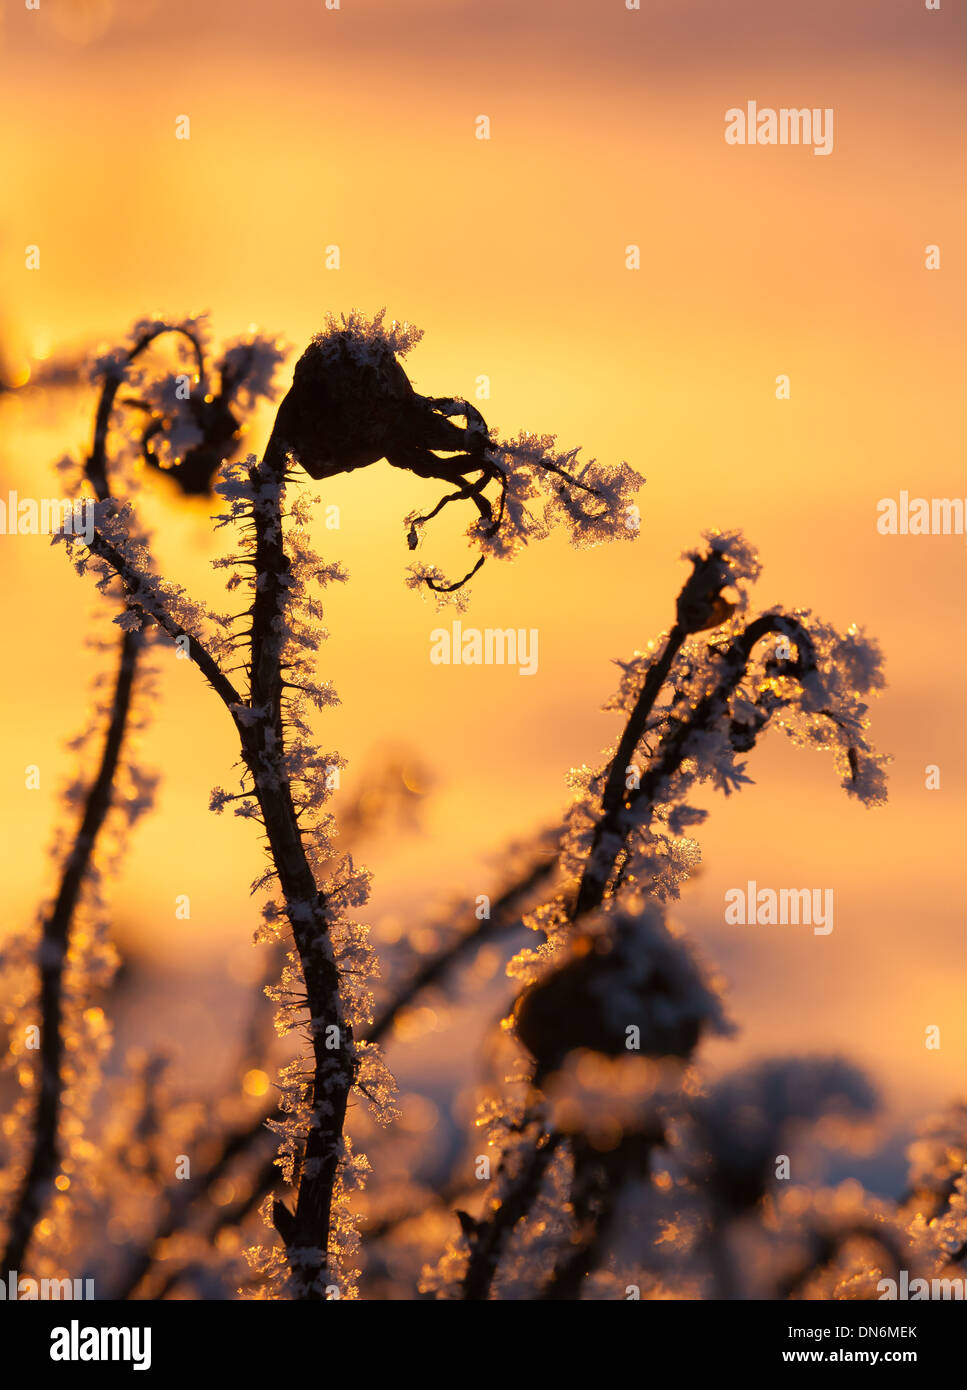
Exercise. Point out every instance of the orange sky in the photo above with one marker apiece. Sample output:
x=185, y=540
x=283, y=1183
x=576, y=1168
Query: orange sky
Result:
x=310, y=128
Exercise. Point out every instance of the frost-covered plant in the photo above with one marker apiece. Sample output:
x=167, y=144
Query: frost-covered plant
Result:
x=619, y=1169
x=350, y=403
x=610, y=979
x=74, y=955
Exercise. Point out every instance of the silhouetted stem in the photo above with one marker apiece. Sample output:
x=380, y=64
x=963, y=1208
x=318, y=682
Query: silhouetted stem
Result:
x=45, y=1148
x=95, y=468
x=599, y=865
x=145, y=601
x=618, y=808
x=620, y=813
x=237, y=1143
x=306, y=1231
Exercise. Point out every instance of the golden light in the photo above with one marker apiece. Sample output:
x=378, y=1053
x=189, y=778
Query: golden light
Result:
x=255, y=1082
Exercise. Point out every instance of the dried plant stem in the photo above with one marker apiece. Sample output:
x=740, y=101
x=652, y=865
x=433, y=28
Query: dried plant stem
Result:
x=95, y=467
x=491, y=1236
x=306, y=1231
x=620, y=812
x=618, y=806
x=45, y=1148
x=44, y=1153
x=599, y=866
x=241, y=1141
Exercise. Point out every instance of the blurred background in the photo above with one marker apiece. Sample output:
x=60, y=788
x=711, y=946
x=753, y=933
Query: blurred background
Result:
x=355, y=128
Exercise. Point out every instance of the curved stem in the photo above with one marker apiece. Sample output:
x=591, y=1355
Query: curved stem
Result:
x=612, y=829
x=145, y=600
x=96, y=467
x=608, y=844
x=45, y=1149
